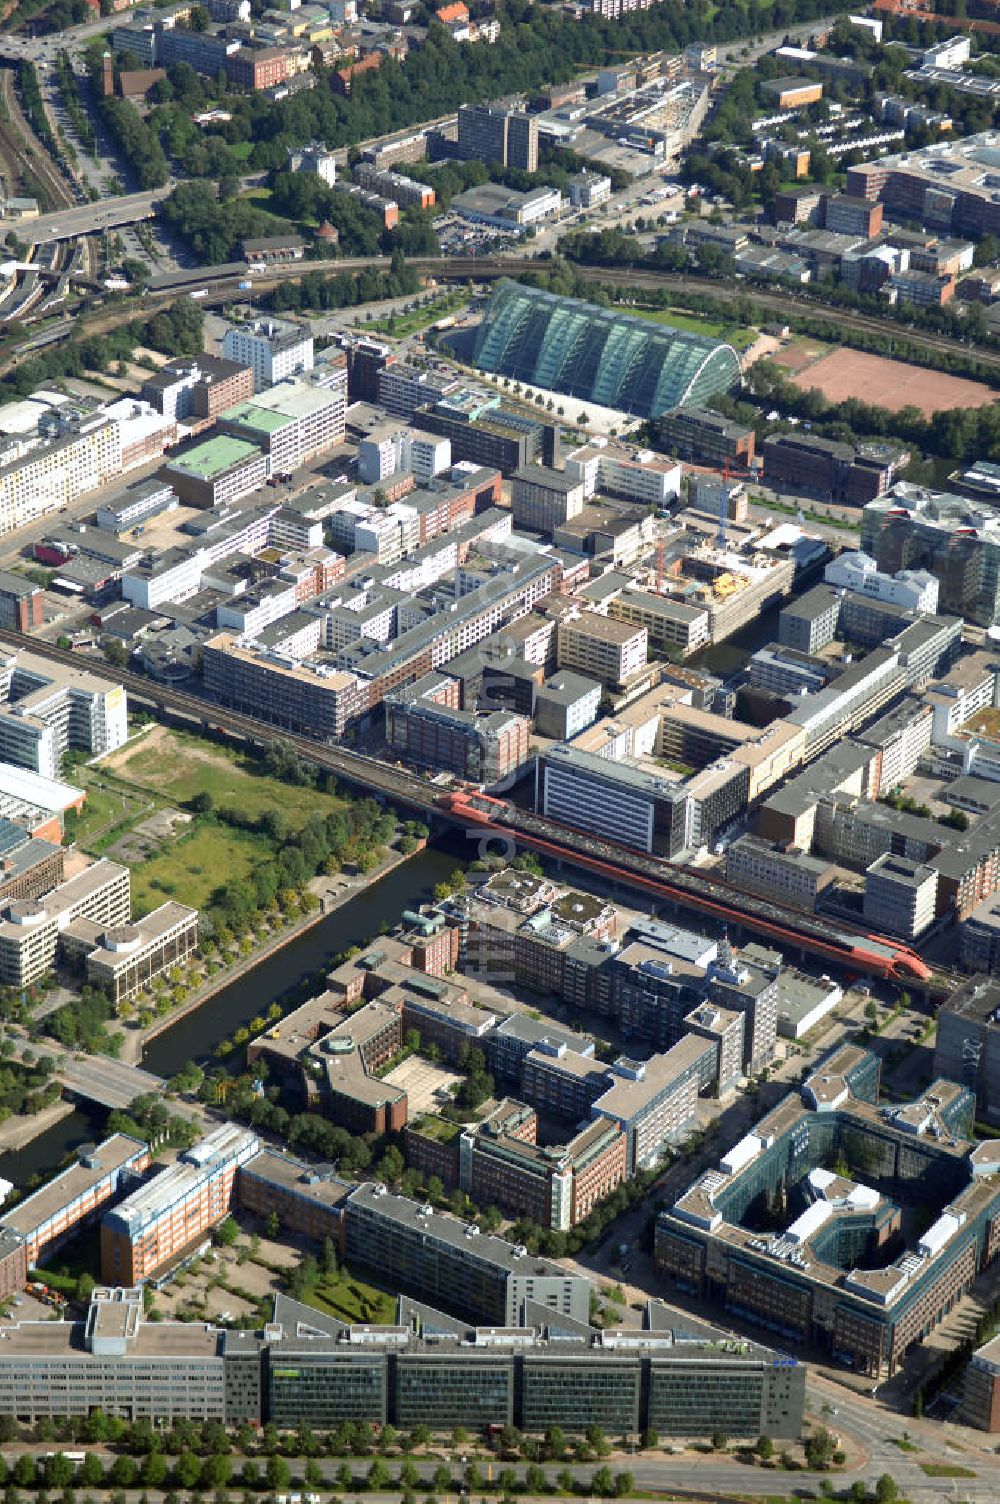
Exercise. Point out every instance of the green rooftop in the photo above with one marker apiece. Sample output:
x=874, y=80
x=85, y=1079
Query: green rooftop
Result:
x=214, y=456
x=249, y=415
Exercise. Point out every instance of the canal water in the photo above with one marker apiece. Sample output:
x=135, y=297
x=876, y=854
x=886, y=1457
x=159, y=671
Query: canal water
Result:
x=355, y=923
x=278, y=977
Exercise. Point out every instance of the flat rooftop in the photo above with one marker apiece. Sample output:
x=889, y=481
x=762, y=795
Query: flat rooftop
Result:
x=72, y=1183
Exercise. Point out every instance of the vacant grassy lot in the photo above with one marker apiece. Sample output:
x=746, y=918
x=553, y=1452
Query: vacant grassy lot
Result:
x=165, y=770
x=193, y=866
x=173, y=766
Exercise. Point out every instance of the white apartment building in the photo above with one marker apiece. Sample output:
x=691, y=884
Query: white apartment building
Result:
x=916, y=589
x=388, y=451
x=272, y=348
x=59, y=471
x=314, y=158
x=47, y=709
x=644, y=477
x=968, y=687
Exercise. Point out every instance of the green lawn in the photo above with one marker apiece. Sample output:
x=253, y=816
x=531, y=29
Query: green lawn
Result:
x=421, y=318
x=945, y=1470
x=692, y=323
x=440, y=1129
x=177, y=766
x=165, y=770
x=347, y=1296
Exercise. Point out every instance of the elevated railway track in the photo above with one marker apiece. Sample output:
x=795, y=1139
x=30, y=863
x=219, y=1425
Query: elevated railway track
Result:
x=482, y=817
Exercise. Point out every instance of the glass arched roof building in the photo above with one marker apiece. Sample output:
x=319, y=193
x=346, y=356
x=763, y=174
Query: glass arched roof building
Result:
x=598, y=355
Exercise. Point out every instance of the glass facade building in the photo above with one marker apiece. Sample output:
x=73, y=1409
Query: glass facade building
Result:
x=599, y=355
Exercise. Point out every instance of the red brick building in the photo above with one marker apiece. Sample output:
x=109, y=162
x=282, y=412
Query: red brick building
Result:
x=257, y=68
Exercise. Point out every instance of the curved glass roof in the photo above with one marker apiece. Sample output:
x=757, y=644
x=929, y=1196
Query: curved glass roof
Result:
x=599, y=355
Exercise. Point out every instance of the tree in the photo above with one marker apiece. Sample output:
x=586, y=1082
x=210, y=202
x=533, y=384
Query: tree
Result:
x=379, y=1476
x=819, y=1448
x=624, y=1484
x=154, y=1470
x=277, y=1474
x=90, y=1473
x=187, y=1470
x=765, y=1448
x=85, y=1286
x=886, y=1491
x=273, y=1224
x=123, y=1472
x=58, y=1471
x=603, y=1483
x=720, y=1441
x=226, y=1233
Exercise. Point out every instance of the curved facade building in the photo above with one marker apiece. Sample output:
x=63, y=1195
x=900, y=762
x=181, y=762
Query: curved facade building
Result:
x=599, y=355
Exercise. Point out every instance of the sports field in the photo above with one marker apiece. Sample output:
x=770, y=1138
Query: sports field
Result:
x=889, y=383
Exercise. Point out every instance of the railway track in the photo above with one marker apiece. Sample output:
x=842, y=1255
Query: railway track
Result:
x=19, y=137
x=680, y=885
x=220, y=284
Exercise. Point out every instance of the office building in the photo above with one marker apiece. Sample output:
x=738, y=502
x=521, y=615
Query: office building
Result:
x=588, y=189
x=31, y=929
x=116, y=1362
x=22, y=603
x=541, y=498
x=787, y=875
x=599, y=355
x=826, y=1275
x=48, y=709
x=702, y=437
x=272, y=348
x=292, y=422
x=168, y=1216
x=968, y=1042
x=489, y=133
x=484, y=432
x=435, y=1257
x=197, y=386
x=916, y=590
x=955, y=539
x=602, y=647
x=288, y=693
x=217, y=471
x=390, y=450
x=307, y=1199
x=428, y=1368
x=900, y=896
x=483, y=748
x=981, y=1388
x=74, y=1199
x=653, y=1101
x=846, y=215
x=121, y=960
x=557, y=1185
x=852, y=475
x=609, y=471
x=910, y=185
x=314, y=158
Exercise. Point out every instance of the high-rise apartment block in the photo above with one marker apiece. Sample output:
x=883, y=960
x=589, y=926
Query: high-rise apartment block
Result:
x=272, y=348
x=493, y=134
